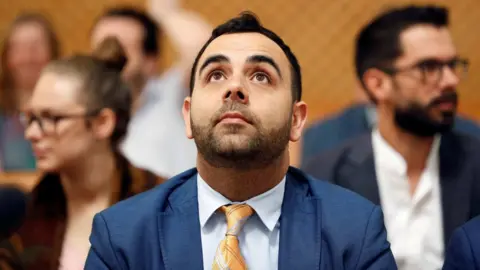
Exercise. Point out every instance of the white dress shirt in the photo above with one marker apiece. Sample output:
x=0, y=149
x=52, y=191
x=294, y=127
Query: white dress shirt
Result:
x=260, y=236
x=156, y=138
x=414, y=223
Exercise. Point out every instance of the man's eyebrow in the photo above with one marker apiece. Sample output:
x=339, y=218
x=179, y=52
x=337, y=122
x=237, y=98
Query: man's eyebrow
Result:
x=264, y=59
x=218, y=58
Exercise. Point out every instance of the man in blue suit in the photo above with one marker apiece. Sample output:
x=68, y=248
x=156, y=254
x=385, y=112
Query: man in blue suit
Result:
x=463, y=251
x=242, y=205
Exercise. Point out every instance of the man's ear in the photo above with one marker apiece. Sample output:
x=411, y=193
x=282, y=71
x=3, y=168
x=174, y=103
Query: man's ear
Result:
x=377, y=83
x=187, y=103
x=299, y=118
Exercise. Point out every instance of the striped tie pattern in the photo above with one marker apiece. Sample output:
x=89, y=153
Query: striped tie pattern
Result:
x=228, y=254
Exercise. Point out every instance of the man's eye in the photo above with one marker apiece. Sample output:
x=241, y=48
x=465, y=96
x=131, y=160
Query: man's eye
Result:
x=216, y=76
x=261, y=77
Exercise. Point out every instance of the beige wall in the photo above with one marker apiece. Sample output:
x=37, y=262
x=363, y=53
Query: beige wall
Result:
x=320, y=32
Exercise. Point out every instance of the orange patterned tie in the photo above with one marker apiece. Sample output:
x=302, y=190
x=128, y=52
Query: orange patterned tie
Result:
x=228, y=254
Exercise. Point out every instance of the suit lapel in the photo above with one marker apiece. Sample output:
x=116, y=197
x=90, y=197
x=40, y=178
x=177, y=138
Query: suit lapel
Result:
x=358, y=171
x=455, y=184
x=179, y=228
x=300, y=226
x=358, y=174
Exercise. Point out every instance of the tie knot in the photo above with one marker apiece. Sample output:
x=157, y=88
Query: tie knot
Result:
x=237, y=215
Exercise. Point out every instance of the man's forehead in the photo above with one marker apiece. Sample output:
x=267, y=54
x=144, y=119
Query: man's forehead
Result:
x=425, y=41
x=240, y=46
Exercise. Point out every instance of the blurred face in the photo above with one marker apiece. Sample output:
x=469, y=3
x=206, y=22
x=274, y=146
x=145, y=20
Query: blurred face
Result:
x=241, y=113
x=421, y=94
x=131, y=35
x=28, y=53
x=62, y=131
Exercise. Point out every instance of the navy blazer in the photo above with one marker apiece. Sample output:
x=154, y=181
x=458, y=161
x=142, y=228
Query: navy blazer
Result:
x=352, y=122
x=463, y=251
x=352, y=166
x=322, y=227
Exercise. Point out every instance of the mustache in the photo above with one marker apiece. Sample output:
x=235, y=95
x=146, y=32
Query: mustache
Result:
x=235, y=107
x=450, y=96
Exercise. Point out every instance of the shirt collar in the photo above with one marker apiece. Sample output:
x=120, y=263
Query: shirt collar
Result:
x=392, y=160
x=267, y=205
x=371, y=115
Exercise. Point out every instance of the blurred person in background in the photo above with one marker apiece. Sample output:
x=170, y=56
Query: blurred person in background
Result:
x=29, y=45
x=355, y=120
x=156, y=137
x=78, y=114
x=423, y=173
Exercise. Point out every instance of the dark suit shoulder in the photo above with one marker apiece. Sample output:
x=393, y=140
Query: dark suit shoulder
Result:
x=467, y=141
x=467, y=126
x=461, y=148
x=333, y=130
x=336, y=124
x=339, y=205
x=334, y=197
x=323, y=165
x=472, y=230
x=340, y=117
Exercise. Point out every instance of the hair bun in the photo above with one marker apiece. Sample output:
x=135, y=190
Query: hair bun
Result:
x=111, y=53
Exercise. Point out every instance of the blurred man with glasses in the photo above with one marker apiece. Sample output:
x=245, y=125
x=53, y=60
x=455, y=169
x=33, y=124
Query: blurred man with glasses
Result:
x=423, y=174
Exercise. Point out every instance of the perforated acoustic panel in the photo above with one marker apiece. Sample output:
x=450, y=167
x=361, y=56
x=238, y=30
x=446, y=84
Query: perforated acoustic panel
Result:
x=320, y=32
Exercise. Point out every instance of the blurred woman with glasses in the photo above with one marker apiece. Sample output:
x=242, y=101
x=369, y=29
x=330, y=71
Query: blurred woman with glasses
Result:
x=77, y=116
x=29, y=45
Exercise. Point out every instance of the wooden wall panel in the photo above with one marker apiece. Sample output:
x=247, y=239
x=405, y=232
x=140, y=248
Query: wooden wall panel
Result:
x=320, y=32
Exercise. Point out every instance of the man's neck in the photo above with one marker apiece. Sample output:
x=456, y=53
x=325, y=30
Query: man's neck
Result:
x=414, y=149
x=239, y=185
x=90, y=184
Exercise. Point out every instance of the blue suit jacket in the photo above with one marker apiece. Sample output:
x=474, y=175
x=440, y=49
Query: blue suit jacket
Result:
x=463, y=251
x=322, y=227
x=352, y=122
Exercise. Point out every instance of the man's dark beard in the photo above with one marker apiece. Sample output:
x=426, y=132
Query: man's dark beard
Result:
x=263, y=147
x=416, y=120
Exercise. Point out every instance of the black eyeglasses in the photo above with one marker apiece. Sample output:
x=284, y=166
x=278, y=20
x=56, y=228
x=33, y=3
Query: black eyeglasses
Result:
x=48, y=122
x=432, y=70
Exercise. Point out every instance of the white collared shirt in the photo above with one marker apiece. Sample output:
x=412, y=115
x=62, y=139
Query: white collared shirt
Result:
x=414, y=223
x=260, y=236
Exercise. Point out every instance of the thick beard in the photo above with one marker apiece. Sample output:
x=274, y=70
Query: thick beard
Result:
x=415, y=120
x=263, y=148
x=415, y=117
